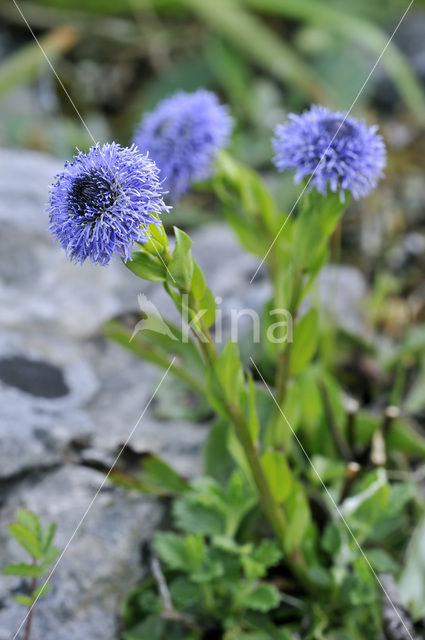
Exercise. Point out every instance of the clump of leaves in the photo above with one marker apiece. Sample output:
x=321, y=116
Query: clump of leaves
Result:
x=38, y=542
x=214, y=581
x=214, y=577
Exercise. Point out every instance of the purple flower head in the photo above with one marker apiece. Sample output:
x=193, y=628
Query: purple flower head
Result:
x=103, y=201
x=339, y=152
x=183, y=135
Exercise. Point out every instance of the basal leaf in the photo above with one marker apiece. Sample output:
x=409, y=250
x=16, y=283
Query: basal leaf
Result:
x=262, y=598
x=26, y=539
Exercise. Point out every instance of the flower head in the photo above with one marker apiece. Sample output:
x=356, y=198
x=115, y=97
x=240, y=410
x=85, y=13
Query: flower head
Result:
x=103, y=201
x=336, y=151
x=183, y=135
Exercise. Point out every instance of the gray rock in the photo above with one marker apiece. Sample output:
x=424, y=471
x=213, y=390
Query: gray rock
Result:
x=342, y=290
x=101, y=563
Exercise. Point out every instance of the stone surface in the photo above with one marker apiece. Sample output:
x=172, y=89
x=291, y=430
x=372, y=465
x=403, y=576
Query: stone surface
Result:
x=99, y=566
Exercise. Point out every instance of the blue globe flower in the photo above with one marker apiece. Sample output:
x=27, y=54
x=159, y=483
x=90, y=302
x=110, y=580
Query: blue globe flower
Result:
x=340, y=154
x=183, y=135
x=103, y=201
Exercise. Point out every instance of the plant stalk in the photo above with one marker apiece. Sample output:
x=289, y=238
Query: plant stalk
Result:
x=271, y=509
x=28, y=624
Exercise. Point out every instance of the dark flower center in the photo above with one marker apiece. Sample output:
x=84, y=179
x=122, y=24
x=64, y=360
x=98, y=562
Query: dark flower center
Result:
x=90, y=193
x=333, y=126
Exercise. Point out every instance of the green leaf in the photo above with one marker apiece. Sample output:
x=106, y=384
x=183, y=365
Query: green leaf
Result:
x=403, y=436
x=256, y=564
x=181, y=265
x=207, y=304
x=381, y=561
x=201, y=509
x=25, y=600
x=198, y=286
x=264, y=597
x=146, y=266
x=158, y=241
x=364, y=509
x=267, y=553
x=29, y=520
x=278, y=475
x=42, y=590
x=24, y=570
x=158, y=474
x=195, y=550
x=171, y=550
x=47, y=537
x=218, y=462
x=50, y=557
x=299, y=518
x=225, y=380
x=239, y=499
x=247, y=204
x=412, y=580
x=184, y=593
x=26, y=539
x=306, y=337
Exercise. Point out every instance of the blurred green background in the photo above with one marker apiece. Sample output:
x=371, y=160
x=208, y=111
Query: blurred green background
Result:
x=116, y=58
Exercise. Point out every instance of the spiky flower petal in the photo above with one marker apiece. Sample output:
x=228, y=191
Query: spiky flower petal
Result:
x=103, y=201
x=336, y=151
x=183, y=135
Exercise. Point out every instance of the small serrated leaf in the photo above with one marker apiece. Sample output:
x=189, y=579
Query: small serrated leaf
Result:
x=29, y=520
x=26, y=539
x=47, y=537
x=25, y=600
x=170, y=548
x=42, y=591
x=267, y=553
x=22, y=569
x=262, y=598
x=49, y=558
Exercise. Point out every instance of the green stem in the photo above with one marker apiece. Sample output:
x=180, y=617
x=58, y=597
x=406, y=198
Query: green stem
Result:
x=28, y=625
x=271, y=509
x=283, y=364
